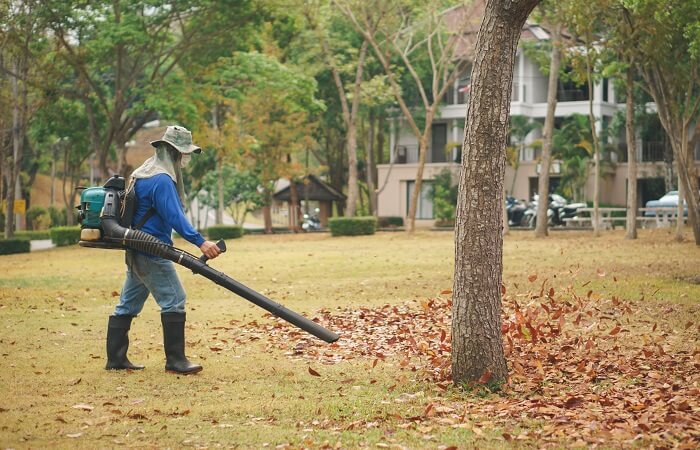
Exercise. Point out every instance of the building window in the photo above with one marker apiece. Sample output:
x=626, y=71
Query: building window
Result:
x=438, y=137
x=605, y=89
x=424, y=208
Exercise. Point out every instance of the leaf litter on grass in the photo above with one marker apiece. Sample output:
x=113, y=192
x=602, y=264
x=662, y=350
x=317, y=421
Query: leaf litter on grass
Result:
x=582, y=368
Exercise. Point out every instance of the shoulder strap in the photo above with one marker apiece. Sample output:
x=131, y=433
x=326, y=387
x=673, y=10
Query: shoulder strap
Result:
x=145, y=218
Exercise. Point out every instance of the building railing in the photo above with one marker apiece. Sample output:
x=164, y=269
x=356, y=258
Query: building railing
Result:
x=572, y=95
x=409, y=153
x=651, y=151
x=406, y=154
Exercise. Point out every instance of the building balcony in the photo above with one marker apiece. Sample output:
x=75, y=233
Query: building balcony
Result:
x=409, y=153
x=649, y=151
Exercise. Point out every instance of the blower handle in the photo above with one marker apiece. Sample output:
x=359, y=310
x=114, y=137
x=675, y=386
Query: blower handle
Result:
x=222, y=246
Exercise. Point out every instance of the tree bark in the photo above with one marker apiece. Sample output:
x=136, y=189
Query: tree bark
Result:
x=596, y=145
x=548, y=131
x=631, y=159
x=477, y=344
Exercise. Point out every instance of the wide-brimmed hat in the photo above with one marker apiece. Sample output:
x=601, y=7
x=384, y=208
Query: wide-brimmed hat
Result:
x=180, y=138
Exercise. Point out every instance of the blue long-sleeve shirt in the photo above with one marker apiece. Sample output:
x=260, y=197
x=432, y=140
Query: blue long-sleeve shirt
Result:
x=160, y=193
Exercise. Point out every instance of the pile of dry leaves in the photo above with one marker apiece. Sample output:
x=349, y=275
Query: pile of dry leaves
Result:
x=590, y=369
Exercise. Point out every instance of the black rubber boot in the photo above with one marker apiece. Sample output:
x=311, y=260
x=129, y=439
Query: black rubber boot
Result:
x=118, y=344
x=174, y=343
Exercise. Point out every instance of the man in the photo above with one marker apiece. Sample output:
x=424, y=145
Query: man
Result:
x=159, y=208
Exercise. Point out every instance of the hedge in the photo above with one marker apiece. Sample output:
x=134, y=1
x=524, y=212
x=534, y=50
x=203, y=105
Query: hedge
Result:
x=65, y=235
x=9, y=246
x=217, y=232
x=390, y=221
x=33, y=234
x=352, y=226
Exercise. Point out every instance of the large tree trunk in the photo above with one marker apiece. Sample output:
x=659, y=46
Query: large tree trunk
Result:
x=546, y=159
x=631, y=160
x=477, y=345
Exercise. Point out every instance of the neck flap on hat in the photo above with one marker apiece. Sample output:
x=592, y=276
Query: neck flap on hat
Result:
x=164, y=161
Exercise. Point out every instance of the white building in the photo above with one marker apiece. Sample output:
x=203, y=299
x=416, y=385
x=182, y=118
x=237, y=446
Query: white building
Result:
x=529, y=98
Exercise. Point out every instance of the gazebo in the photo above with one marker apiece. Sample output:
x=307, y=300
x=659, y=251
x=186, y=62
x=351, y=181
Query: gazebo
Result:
x=311, y=188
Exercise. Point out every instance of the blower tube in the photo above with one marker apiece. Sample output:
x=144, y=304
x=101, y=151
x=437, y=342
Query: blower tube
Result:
x=145, y=243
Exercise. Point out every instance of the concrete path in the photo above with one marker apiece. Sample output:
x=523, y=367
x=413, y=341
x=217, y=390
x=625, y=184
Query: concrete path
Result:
x=42, y=244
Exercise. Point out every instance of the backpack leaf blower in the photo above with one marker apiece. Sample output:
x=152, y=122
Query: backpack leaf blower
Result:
x=105, y=214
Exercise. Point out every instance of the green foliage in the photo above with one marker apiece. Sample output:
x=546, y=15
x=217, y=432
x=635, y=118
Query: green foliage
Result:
x=444, y=194
x=33, y=234
x=58, y=216
x=217, y=232
x=38, y=218
x=572, y=144
x=241, y=192
x=247, y=73
x=390, y=221
x=62, y=236
x=10, y=246
x=352, y=226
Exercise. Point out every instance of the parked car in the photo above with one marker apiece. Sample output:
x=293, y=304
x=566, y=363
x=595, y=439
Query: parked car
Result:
x=668, y=200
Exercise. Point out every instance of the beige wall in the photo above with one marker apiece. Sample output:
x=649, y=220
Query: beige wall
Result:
x=393, y=198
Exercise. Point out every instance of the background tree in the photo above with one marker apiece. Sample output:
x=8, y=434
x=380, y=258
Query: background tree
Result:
x=520, y=128
x=21, y=47
x=318, y=19
x=246, y=81
x=444, y=194
x=553, y=17
x=477, y=346
x=127, y=56
x=415, y=36
x=581, y=19
x=241, y=192
x=669, y=46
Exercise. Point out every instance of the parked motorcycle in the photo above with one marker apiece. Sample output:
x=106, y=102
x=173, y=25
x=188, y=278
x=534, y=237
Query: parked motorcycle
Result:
x=311, y=221
x=558, y=210
x=516, y=212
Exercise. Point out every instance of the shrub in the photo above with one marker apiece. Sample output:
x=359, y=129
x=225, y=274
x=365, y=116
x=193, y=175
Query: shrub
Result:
x=58, y=216
x=33, y=234
x=9, y=246
x=65, y=235
x=352, y=226
x=390, y=221
x=217, y=232
x=444, y=195
x=38, y=218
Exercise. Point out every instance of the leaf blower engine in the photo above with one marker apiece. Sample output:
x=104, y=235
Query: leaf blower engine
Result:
x=106, y=213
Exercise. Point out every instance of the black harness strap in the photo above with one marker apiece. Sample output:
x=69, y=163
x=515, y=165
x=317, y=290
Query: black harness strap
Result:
x=145, y=218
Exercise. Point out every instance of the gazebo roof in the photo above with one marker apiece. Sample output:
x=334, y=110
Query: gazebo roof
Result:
x=310, y=188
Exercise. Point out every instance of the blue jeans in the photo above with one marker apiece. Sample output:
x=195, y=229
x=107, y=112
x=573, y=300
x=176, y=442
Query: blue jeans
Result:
x=152, y=275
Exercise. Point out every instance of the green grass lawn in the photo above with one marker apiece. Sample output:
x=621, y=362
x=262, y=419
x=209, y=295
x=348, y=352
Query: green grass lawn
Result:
x=54, y=306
